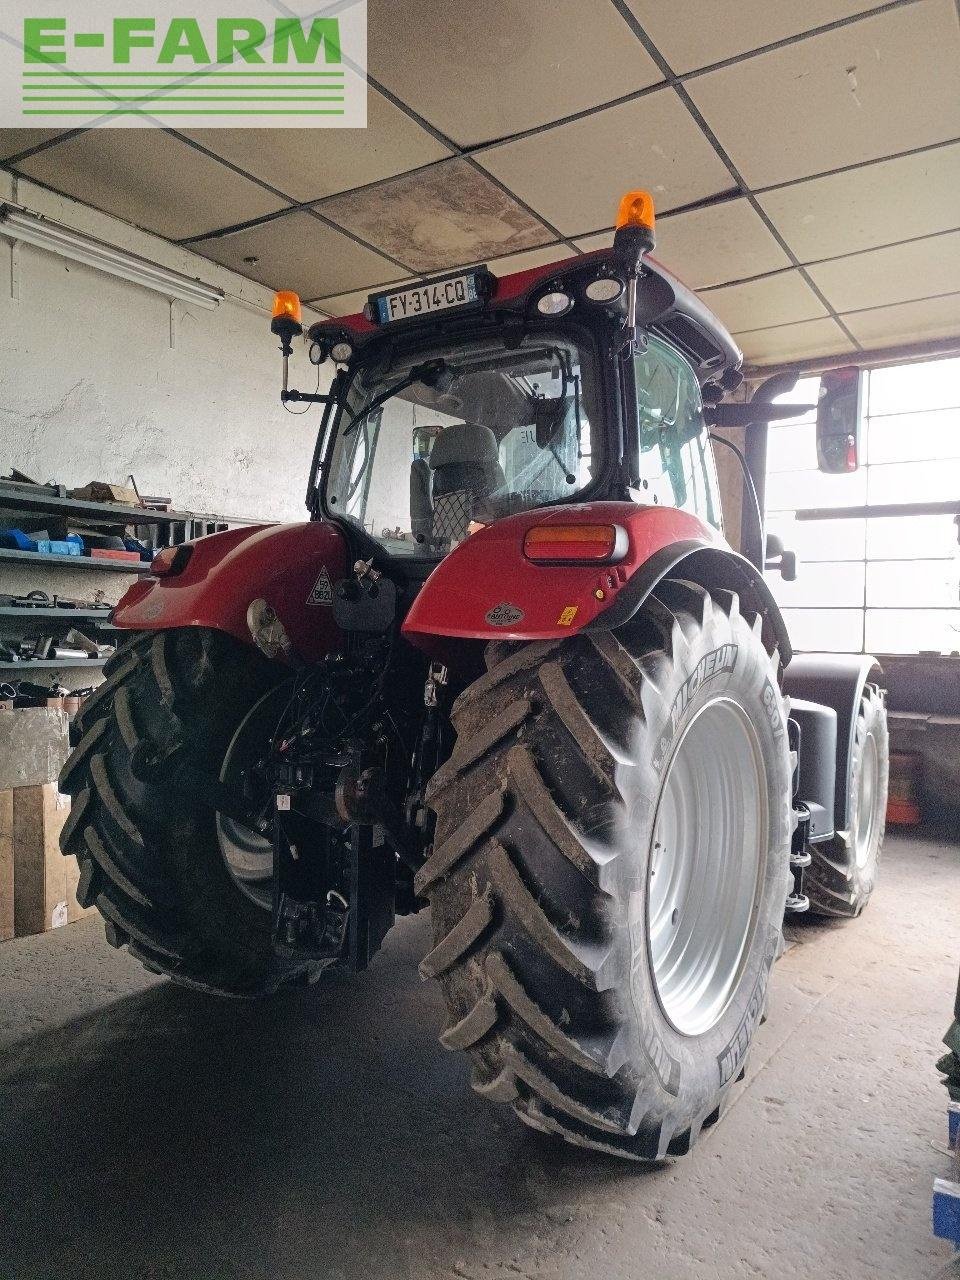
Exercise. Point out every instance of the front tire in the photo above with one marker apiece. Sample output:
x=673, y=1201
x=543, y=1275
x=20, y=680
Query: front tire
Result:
x=152, y=856
x=843, y=873
x=603, y=1004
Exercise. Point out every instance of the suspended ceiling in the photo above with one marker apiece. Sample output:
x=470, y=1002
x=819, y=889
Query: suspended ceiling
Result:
x=805, y=159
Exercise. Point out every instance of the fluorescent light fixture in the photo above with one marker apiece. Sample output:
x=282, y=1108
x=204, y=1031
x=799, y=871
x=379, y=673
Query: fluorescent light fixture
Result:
x=31, y=228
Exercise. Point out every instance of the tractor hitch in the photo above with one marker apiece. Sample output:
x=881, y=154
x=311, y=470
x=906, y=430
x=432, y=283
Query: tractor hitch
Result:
x=316, y=922
x=310, y=919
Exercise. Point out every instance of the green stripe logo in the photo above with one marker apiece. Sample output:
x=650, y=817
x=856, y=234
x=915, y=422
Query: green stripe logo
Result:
x=112, y=66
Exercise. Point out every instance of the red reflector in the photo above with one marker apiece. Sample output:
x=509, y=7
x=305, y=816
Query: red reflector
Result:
x=171, y=561
x=546, y=543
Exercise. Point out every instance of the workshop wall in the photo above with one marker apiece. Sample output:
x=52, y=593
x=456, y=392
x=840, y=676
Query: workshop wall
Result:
x=97, y=383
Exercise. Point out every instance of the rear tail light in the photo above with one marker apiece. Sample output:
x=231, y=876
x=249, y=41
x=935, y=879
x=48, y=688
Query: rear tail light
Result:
x=171, y=561
x=584, y=543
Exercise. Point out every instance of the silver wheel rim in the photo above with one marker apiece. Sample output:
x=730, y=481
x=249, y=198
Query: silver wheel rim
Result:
x=709, y=842
x=247, y=853
x=867, y=799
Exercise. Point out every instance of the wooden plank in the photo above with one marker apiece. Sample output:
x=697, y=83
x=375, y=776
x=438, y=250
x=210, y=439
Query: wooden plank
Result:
x=6, y=865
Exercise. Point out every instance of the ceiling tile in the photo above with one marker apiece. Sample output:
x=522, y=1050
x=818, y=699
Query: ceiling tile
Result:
x=602, y=240
x=13, y=141
x=575, y=173
x=439, y=217
x=484, y=71
x=687, y=41
x=711, y=246
x=794, y=342
x=532, y=258
x=899, y=273
x=907, y=322
x=299, y=252
x=876, y=87
x=308, y=164
x=761, y=304
x=846, y=212
x=727, y=241
x=151, y=179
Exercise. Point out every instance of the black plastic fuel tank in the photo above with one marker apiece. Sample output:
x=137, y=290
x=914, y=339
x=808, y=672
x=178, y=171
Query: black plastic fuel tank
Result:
x=817, y=767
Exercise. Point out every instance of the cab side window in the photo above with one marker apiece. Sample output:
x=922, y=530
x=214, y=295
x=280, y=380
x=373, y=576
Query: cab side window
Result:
x=676, y=467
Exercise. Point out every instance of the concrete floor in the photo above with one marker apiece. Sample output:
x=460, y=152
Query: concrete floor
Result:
x=156, y=1134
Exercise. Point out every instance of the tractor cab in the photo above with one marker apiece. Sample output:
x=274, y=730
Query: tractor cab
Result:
x=461, y=401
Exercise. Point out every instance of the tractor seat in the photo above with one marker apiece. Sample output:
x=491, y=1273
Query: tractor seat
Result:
x=466, y=470
x=421, y=481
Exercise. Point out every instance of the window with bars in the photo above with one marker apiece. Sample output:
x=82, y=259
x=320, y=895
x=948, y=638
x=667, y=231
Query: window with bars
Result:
x=875, y=584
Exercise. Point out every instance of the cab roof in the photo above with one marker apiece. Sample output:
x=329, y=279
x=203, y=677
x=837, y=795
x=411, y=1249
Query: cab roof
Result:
x=668, y=308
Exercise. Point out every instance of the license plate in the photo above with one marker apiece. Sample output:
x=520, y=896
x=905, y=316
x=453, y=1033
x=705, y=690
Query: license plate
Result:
x=423, y=299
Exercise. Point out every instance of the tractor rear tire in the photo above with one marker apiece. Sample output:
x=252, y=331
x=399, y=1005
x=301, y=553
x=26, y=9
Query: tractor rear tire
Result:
x=150, y=856
x=843, y=873
x=608, y=1006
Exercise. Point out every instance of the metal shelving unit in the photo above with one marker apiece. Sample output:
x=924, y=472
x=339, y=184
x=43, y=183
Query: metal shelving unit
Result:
x=28, y=506
x=51, y=664
x=171, y=526
x=15, y=611
x=74, y=562
x=53, y=621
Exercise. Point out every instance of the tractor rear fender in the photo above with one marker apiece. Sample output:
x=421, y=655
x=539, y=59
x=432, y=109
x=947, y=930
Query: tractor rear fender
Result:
x=834, y=680
x=293, y=567
x=487, y=589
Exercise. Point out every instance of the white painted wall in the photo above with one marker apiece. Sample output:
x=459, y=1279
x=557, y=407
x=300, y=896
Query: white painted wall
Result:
x=91, y=389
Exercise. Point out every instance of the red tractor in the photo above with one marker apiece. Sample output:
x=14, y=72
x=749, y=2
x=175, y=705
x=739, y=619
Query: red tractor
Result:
x=510, y=667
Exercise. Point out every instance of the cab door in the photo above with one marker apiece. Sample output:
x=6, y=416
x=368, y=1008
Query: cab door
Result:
x=668, y=447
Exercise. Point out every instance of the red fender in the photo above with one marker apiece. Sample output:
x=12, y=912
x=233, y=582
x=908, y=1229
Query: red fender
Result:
x=281, y=564
x=488, y=590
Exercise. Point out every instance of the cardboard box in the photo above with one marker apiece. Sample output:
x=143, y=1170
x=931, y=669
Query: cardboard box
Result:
x=44, y=881
x=34, y=745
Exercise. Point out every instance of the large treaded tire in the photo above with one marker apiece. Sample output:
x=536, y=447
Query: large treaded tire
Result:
x=149, y=856
x=539, y=872
x=837, y=882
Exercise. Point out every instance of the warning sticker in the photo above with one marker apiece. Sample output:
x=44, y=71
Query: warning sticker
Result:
x=322, y=592
x=568, y=615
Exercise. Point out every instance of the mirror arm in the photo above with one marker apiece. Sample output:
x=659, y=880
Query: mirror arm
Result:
x=779, y=385
x=755, y=413
x=302, y=397
x=337, y=386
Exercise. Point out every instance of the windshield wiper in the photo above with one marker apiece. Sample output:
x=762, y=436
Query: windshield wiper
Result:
x=432, y=373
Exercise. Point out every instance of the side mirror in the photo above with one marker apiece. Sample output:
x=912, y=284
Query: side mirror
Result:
x=778, y=558
x=839, y=421
x=549, y=414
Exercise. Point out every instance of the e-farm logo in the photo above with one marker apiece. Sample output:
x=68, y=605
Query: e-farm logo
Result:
x=80, y=64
